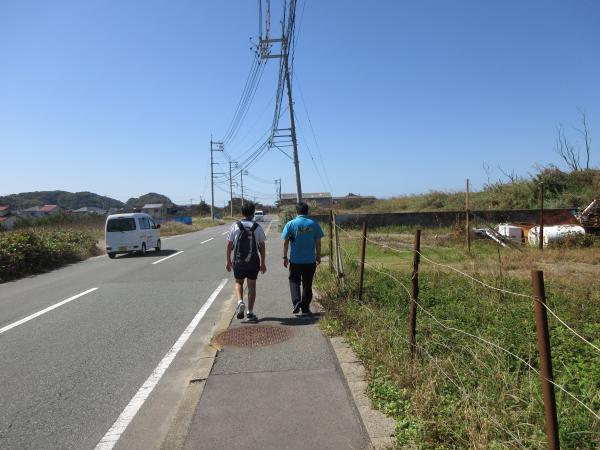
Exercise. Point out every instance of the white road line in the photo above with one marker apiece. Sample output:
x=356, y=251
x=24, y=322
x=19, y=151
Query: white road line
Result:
x=208, y=240
x=113, y=435
x=45, y=310
x=170, y=256
x=269, y=227
x=224, y=233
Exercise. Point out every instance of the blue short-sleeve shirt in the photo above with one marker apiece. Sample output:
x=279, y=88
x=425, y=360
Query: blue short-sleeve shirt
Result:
x=303, y=234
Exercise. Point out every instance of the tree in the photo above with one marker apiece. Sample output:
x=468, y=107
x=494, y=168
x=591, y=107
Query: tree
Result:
x=568, y=152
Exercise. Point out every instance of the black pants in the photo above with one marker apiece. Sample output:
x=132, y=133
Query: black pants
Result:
x=302, y=273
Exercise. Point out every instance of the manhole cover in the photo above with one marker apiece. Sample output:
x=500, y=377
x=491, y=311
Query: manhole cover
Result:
x=253, y=336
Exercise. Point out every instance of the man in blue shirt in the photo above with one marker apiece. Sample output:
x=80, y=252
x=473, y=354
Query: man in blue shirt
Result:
x=305, y=235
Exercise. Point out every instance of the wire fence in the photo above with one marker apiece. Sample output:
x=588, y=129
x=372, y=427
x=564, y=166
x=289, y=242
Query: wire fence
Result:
x=345, y=248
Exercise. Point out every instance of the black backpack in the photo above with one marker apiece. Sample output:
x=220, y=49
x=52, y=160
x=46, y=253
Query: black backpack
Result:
x=245, y=248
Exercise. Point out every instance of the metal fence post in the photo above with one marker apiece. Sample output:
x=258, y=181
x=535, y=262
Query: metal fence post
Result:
x=543, y=343
x=414, y=295
x=362, y=260
x=331, y=241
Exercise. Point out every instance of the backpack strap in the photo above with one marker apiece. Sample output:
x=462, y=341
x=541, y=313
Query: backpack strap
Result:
x=240, y=225
x=254, y=227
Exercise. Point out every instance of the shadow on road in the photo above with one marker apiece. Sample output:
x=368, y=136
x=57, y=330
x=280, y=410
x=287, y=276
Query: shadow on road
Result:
x=149, y=253
x=292, y=321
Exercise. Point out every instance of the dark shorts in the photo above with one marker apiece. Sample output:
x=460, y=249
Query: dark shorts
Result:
x=240, y=273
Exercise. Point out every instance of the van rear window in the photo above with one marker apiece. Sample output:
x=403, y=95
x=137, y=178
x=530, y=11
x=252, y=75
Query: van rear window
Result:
x=121, y=224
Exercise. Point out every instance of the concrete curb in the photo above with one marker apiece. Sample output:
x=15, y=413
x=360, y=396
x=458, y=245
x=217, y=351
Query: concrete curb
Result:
x=380, y=428
x=180, y=424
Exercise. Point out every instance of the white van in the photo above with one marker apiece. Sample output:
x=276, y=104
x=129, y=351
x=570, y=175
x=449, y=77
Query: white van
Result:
x=135, y=232
x=259, y=215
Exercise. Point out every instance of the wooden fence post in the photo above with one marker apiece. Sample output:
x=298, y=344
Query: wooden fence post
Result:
x=331, y=241
x=414, y=295
x=541, y=233
x=468, y=220
x=362, y=260
x=543, y=343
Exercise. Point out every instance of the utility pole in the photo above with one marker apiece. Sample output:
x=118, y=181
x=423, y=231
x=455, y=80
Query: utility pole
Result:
x=264, y=47
x=293, y=127
x=230, y=189
x=214, y=147
x=242, y=173
x=278, y=189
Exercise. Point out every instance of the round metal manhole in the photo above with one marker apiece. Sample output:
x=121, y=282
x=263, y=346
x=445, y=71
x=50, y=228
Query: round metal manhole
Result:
x=253, y=336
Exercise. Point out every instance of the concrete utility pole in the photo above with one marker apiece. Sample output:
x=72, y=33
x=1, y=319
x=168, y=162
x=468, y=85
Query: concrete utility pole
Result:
x=264, y=47
x=278, y=188
x=230, y=189
x=214, y=147
x=242, y=173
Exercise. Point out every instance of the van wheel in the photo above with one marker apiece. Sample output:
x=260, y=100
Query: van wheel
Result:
x=143, y=252
x=157, y=248
x=112, y=255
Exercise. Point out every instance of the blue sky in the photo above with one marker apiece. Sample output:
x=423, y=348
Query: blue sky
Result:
x=121, y=97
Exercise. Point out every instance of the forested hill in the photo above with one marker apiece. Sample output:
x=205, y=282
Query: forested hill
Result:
x=151, y=197
x=70, y=200
x=75, y=200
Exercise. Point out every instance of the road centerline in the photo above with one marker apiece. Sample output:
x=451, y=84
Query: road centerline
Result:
x=113, y=435
x=208, y=240
x=167, y=257
x=45, y=310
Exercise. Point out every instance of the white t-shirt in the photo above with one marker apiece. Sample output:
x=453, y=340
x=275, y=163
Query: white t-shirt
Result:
x=259, y=233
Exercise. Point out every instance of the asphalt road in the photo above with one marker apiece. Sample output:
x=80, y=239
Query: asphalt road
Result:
x=67, y=375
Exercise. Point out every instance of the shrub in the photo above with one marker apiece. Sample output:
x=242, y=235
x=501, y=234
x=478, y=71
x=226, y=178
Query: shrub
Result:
x=25, y=252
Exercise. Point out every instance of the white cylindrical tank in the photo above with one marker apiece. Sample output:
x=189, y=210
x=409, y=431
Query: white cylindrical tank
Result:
x=514, y=233
x=554, y=233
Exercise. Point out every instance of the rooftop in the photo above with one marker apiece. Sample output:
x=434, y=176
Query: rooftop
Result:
x=307, y=195
x=152, y=206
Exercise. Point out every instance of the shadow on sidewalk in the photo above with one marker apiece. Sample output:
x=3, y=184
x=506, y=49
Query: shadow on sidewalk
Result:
x=292, y=321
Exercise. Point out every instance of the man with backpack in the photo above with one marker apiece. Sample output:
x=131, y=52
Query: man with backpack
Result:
x=305, y=235
x=246, y=240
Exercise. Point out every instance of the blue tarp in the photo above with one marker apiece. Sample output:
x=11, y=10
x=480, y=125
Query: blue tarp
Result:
x=186, y=220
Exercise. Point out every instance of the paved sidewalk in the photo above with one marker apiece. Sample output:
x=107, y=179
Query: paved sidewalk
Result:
x=290, y=395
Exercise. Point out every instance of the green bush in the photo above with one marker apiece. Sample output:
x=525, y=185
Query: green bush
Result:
x=25, y=252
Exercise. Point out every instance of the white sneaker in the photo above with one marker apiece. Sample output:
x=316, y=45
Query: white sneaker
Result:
x=241, y=307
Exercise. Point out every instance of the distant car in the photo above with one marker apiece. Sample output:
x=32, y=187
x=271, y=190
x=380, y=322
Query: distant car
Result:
x=135, y=232
x=259, y=216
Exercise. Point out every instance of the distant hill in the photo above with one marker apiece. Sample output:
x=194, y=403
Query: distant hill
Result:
x=70, y=200
x=151, y=197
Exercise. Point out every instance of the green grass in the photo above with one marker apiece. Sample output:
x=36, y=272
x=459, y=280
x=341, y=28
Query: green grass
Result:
x=459, y=392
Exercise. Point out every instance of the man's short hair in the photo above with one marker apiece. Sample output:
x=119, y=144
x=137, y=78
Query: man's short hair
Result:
x=248, y=210
x=302, y=209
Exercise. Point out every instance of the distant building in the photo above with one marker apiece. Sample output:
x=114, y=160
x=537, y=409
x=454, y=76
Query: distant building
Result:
x=92, y=210
x=156, y=210
x=40, y=211
x=50, y=210
x=354, y=200
x=30, y=213
x=7, y=219
x=313, y=199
